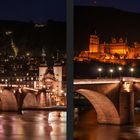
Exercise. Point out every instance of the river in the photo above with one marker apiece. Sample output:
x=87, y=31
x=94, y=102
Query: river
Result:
x=33, y=125
x=86, y=128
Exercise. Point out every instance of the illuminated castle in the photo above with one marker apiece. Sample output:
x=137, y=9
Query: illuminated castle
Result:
x=117, y=49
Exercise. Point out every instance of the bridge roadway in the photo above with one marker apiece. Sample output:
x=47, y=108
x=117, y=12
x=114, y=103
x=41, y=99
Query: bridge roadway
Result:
x=17, y=86
x=112, y=99
x=105, y=81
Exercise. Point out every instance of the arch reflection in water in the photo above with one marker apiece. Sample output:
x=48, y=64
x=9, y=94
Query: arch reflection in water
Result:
x=30, y=126
x=88, y=128
x=60, y=128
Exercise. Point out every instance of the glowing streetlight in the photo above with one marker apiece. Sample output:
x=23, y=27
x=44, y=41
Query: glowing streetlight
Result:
x=100, y=70
x=53, y=90
x=61, y=91
x=111, y=72
x=27, y=54
x=120, y=71
x=132, y=71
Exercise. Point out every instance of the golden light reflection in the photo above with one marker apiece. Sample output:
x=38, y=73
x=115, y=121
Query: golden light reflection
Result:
x=60, y=118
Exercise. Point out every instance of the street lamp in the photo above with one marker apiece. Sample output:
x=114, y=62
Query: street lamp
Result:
x=132, y=71
x=120, y=71
x=17, y=82
x=111, y=71
x=99, y=70
x=6, y=82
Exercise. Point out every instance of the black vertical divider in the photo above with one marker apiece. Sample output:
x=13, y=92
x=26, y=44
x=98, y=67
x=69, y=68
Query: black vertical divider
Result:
x=70, y=46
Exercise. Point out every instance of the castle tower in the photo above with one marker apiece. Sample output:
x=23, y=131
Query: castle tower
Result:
x=94, y=44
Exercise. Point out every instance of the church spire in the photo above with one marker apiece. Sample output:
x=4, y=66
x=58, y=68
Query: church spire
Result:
x=43, y=54
x=95, y=33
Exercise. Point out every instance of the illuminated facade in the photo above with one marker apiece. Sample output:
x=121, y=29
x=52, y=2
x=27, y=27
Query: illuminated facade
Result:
x=58, y=76
x=94, y=44
x=116, y=49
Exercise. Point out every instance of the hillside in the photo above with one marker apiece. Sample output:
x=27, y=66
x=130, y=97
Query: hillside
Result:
x=108, y=22
x=28, y=37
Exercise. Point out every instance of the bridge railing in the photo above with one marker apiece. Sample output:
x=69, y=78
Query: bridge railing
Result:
x=105, y=80
x=95, y=81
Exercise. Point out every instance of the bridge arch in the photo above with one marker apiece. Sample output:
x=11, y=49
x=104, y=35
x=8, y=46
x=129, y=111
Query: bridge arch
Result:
x=30, y=101
x=105, y=109
x=8, y=101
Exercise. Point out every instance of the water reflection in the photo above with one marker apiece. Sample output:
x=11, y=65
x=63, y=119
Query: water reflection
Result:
x=88, y=129
x=59, y=127
x=36, y=125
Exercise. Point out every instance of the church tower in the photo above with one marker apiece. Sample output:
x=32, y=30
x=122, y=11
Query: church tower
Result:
x=43, y=67
x=58, y=73
x=94, y=44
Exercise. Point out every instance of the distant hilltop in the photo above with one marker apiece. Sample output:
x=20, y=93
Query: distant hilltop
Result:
x=108, y=22
x=32, y=37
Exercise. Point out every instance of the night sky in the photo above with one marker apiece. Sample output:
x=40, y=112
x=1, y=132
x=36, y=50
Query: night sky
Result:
x=127, y=5
x=33, y=10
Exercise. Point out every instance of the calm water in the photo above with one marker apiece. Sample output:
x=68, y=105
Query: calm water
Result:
x=33, y=125
x=86, y=128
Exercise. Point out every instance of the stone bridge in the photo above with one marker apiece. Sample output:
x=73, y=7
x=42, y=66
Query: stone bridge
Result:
x=16, y=98
x=112, y=99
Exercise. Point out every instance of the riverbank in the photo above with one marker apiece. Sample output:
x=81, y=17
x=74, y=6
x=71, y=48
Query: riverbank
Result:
x=51, y=108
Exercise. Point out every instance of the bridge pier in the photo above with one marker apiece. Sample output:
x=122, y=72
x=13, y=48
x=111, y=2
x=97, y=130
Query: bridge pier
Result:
x=126, y=103
x=20, y=95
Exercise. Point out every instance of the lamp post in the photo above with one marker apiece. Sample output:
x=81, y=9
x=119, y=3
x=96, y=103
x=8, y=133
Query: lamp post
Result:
x=99, y=70
x=65, y=98
x=17, y=82
x=111, y=72
x=132, y=71
x=27, y=75
x=120, y=71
